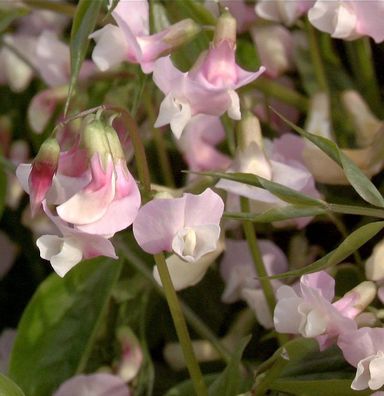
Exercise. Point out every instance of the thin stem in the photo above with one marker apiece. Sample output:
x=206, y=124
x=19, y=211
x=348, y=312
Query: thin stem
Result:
x=356, y=210
x=250, y=235
x=363, y=68
x=166, y=281
x=316, y=57
x=200, y=327
x=161, y=149
x=181, y=326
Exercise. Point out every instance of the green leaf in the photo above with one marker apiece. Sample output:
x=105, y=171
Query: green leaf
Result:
x=320, y=387
x=285, y=193
x=196, y=11
x=277, y=214
x=8, y=387
x=231, y=381
x=59, y=325
x=83, y=25
x=350, y=244
x=362, y=185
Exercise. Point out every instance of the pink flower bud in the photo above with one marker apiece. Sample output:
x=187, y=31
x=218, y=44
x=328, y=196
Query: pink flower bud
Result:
x=225, y=29
x=43, y=168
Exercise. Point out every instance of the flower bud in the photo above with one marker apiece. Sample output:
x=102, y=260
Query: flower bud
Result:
x=374, y=269
x=249, y=131
x=43, y=168
x=225, y=29
x=366, y=292
x=180, y=33
x=365, y=122
x=131, y=354
x=319, y=119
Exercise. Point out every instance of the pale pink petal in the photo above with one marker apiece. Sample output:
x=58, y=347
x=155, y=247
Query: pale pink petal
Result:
x=205, y=208
x=184, y=274
x=91, y=203
x=256, y=300
x=135, y=14
x=322, y=282
x=166, y=76
x=52, y=59
x=369, y=19
x=111, y=47
x=157, y=222
x=100, y=384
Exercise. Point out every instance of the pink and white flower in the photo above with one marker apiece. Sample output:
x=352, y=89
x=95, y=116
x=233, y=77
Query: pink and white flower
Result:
x=130, y=39
x=364, y=349
x=188, y=226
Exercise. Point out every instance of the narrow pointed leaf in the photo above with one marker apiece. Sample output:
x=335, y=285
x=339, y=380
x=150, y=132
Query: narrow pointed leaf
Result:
x=285, y=193
x=350, y=244
x=277, y=214
x=83, y=25
x=59, y=325
x=362, y=185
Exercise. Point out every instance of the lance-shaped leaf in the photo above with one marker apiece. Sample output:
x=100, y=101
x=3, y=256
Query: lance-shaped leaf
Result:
x=59, y=325
x=278, y=214
x=8, y=387
x=362, y=185
x=83, y=25
x=350, y=244
x=284, y=193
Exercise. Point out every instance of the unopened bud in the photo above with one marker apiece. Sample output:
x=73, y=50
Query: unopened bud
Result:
x=365, y=122
x=365, y=293
x=319, y=120
x=43, y=168
x=374, y=268
x=249, y=131
x=180, y=33
x=225, y=29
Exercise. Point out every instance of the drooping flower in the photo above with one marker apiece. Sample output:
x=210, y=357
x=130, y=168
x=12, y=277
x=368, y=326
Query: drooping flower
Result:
x=130, y=39
x=188, y=226
x=99, y=384
x=364, y=349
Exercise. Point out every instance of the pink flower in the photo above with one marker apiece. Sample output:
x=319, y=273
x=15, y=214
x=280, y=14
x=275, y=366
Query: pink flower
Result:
x=308, y=309
x=188, y=226
x=108, y=203
x=349, y=20
x=99, y=384
x=130, y=40
x=286, y=12
x=364, y=349
x=209, y=87
x=198, y=141
x=238, y=271
x=65, y=251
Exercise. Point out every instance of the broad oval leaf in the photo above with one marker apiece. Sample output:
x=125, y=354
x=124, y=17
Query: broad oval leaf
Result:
x=362, y=185
x=83, y=25
x=58, y=327
x=8, y=387
x=284, y=193
x=350, y=244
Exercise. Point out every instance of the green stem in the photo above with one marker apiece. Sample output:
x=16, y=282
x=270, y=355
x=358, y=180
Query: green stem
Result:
x=316, y=57
x=169, y=290
x=200, y=327
x=277, y=91
x=364, y=71
x=229, y=132
x=261, y=271
x=181, y=326
x=250, y=235
x=161, y=149
x=49, y=5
